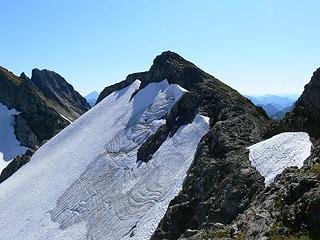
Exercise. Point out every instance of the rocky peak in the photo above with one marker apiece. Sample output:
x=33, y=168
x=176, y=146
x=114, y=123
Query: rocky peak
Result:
x=305, y=115
x=168, y=65
x=311, y=94
x=216, y=187
x=56, y=88
x=38, y=120
x=24, y=76
x=176, y=69
x=47, y=104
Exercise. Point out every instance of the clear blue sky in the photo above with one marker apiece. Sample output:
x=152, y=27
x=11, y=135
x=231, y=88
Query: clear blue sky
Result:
x=255, y=46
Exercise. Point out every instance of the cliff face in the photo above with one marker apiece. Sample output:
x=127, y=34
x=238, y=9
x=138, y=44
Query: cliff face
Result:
x=37, y=120
x=57, y=89
x=221, y=182
x=305, y=115
x=290, y=207
x=46, y=104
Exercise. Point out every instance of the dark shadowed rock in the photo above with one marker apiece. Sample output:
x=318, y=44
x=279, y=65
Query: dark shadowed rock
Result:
x=45, y=102
x=24, y=76
x=305, y=115
x=38, y=119
x=15, y=164
x=60, y=91
x=290, y=207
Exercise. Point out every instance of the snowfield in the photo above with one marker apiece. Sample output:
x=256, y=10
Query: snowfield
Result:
x=86, y=182
x=9, y=145
x=272, y=156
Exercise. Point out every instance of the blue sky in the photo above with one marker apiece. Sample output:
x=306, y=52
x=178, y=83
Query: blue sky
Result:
x=255, y=46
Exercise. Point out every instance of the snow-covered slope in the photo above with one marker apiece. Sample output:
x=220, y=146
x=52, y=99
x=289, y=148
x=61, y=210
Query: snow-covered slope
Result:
x=86, y=182
x=272, y=156
x=10, y=147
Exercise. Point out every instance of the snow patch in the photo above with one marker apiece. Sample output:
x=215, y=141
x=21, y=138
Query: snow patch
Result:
x=91, y=184
x=64, y=117
x=10, y=147
x=272, y=156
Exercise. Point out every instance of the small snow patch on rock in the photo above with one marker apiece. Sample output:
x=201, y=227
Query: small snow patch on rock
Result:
x=272, y=156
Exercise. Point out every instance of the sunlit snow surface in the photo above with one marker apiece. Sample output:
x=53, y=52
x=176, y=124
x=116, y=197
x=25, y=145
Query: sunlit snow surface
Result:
x=272, y=156
x=86, y=183
x=9, y=145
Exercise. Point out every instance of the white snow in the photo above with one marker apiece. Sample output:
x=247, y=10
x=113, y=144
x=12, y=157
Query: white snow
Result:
x=86, y=183
x=66, y=118
x=10, y=147
x=272, y=156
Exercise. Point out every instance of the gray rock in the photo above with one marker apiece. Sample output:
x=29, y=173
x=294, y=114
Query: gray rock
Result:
x=41, y=101
x=15, y=164
x=57, y=89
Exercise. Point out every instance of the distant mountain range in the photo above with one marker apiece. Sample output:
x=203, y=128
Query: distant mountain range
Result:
x=275, y=106
x=92, y=98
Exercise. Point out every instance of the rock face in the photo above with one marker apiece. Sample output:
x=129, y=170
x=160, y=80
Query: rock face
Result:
x=15, y=164
x=290, y=207
x=221, y=182
x=57, y=89
x=37, y=120
x=46, y=102
x=306, y=112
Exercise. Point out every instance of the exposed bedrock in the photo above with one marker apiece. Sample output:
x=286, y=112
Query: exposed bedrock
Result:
x=46, y=104
x=305, y=115
x=15, y=164
x=290, y=207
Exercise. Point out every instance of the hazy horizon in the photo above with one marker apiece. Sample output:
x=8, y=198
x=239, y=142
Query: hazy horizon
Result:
x=256, y=47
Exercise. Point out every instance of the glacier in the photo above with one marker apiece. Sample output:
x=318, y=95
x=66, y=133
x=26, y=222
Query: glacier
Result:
x=87, y=183
x=272, y=156
x=10, y=147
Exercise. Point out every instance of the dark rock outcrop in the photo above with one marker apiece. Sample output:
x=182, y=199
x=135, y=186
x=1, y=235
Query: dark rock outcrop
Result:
x=57, y=89
x=45, y=102
x=305, y=115
x=183, y=112
x=290, y=207
x=38, y=119
x=15, y=164
x=221, y=182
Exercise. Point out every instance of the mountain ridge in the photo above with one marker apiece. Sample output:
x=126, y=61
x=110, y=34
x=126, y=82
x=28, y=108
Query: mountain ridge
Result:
x=152, y=109
x=216, y=189
x=230, y=115
x=40, y=117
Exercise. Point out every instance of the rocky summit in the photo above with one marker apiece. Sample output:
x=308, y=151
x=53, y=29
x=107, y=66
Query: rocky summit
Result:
x=57, y=89
x=46, y=104
x=220, y=183
x=306, y=112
